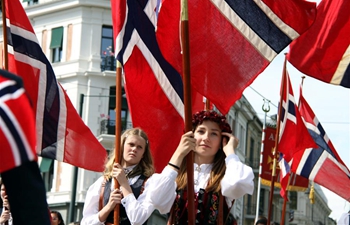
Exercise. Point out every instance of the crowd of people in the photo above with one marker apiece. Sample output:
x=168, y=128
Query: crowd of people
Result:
x=142, y=191
x=219, y=178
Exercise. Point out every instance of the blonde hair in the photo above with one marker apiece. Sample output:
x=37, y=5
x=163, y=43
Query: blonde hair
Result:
x=145, y=166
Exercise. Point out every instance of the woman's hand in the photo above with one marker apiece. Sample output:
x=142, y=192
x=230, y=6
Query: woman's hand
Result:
x=187, y=144
x=119, y=174
x=114, y=199
x=5, y=216
x=6, y=203
x=230, y=145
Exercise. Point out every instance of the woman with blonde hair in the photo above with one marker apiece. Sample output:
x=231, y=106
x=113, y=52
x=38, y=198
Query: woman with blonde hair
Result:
x=141, y=191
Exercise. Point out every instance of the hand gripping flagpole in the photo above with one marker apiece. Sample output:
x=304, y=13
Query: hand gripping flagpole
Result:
x=266, y=109
x=185, y=42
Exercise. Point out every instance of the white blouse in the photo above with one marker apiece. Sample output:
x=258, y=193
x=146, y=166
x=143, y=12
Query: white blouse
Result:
x=237, y=181
x=9, y=221
x=159, y=193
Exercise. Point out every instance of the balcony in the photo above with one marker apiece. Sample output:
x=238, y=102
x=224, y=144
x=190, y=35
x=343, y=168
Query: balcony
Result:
x=107, y=126
x=108, y=63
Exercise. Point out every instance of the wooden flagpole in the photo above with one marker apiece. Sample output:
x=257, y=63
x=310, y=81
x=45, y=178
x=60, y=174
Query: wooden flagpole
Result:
x=273, y=175
x=284, y=205
x=4, y=34
x=185, y=41
x=118, y=109
x=207, y=104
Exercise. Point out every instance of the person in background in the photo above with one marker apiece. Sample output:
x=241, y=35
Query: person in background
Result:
x=141, y=191
x=56, y=218
x=5, y=214
x=74, y=223
x=261, y=221
x=218, y=172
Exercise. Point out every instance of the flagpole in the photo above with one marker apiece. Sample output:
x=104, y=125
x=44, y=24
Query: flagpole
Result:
x=4, y=32
x=273, y=175
x=285, y=201
x=118, y=108
x=266, y=110
x=188, y=106
x=207, y=104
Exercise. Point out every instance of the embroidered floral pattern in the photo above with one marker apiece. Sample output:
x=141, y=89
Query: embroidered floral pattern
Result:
x=214, y=209
x=206, y=205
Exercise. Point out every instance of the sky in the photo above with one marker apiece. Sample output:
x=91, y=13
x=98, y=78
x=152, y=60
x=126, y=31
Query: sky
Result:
x=330, y=103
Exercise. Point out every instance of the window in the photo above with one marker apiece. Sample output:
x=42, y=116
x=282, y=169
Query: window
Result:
x=293, y=198
x=31, y=2
x=46, y=168
x=253, y=161
x=107, y=49
x=111, y=116
x=56, y=44
x=241, y=137
x=261, y=201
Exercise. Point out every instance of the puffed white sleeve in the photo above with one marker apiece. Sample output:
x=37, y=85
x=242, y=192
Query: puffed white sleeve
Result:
x=238, y=179
x=90, y=211
x=159, y=193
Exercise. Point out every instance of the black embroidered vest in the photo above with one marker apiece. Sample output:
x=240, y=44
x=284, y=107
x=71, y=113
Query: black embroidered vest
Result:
x=136, y=189
x=206, y=207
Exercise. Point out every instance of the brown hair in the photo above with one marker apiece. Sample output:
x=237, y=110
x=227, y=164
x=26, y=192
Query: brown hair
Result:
x=219, y=166
x=145, y=166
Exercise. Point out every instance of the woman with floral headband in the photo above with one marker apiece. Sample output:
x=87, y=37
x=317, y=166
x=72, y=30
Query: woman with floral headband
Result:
x=140, y=192
x=218, y=172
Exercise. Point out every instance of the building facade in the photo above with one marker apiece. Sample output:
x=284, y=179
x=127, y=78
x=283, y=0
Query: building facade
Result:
x=77, y=38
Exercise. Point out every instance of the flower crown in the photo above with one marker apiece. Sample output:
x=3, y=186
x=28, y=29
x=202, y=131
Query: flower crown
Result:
x=201, y=116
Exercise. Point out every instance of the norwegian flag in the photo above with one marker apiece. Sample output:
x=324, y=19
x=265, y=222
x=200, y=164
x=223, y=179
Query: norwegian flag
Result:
x=232, y=46
x=153, y=87
x=284, y=176
x=321, y=164
x=293, y=135
x=323, y=51
x=17, y=132
x=61, y=134
x=18, y=156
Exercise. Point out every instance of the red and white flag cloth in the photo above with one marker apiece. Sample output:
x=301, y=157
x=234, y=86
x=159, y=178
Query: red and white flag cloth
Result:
x=323, y=52
x=17, y=132
x=154, y=89
x=293, y=135
x=232, y=46
x=321, y=164
x=224, y=56
x=61, y=133
x=18, y=167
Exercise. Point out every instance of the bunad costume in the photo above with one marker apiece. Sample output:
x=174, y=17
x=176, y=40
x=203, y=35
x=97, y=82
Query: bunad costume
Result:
x=148, y=195
x=237, y=181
